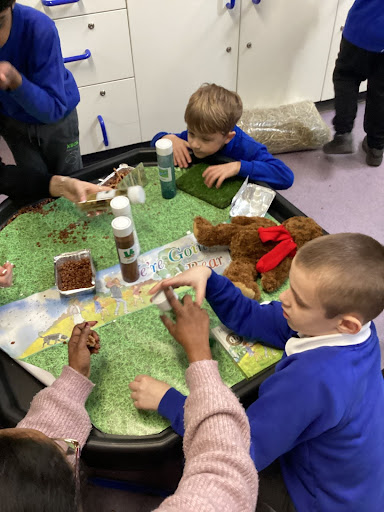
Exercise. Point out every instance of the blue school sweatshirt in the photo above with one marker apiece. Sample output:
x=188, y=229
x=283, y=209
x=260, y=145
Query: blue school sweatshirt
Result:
x=48, y=91
x=365, y=25
x=321, y=412
x=256, y=161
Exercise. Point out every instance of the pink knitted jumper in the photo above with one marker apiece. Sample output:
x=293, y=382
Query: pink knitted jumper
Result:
x=219, y=474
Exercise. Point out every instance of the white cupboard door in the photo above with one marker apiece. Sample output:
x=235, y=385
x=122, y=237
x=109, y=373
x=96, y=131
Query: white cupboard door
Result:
x=177, y=45
x=342, y=12
x=116, y=103
x=283, y=50
x=55, y=9
x=106, y=36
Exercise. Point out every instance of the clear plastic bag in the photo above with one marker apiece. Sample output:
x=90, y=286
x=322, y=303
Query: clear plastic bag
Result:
x=293, y=127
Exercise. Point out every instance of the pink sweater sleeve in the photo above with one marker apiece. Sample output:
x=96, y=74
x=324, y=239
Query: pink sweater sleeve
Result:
x=59, y=410
x=219, y=474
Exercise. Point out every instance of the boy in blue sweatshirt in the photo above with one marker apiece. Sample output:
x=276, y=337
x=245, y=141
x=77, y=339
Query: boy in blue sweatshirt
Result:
x=211, y=116
x=320, y=417
x=38, y=95
x=361, y=57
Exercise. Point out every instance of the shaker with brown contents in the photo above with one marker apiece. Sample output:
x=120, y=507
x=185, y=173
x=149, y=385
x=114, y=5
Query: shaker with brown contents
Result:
x=126, y=248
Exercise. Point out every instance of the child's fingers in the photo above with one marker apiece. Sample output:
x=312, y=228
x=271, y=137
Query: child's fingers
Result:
x=168, y=324
x=173, y=302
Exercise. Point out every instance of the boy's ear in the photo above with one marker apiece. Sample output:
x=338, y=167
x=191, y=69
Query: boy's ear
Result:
x=229, y=137
x=349, y=324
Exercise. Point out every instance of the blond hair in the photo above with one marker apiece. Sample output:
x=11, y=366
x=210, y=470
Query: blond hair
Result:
x=213, y=109
x=349, y=269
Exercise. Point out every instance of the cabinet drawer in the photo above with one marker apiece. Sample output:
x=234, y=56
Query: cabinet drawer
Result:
x=106, y=35
x=76, y=8
x=116, y=103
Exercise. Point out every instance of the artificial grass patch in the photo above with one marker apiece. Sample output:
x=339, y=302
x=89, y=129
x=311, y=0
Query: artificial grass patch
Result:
x=192, y=182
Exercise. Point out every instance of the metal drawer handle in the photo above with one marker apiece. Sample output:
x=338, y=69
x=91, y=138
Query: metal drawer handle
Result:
x=83, y=56
x=104, y=130
x=52, y=3
x=231, y=4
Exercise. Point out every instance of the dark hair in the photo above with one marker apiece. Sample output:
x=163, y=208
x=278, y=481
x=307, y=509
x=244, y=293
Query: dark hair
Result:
x=349, y=270
x=4, y=4
x=34, y=477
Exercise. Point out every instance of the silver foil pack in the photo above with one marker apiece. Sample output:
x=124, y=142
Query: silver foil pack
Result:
x=252, y=200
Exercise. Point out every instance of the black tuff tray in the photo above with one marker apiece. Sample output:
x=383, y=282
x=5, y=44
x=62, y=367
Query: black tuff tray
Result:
x=104, y=451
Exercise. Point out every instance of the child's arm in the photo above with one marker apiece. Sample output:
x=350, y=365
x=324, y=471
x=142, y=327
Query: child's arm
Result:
x=257, y=163
x=181, y=155
x=59, y=410
x=42, y=95
x=246, y=316
x=218, y=474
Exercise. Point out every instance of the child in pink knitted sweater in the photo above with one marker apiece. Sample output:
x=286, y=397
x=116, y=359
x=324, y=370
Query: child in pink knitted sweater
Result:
x=219, y=473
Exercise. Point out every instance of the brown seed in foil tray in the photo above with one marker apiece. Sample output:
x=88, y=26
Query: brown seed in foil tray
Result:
x=74, y=274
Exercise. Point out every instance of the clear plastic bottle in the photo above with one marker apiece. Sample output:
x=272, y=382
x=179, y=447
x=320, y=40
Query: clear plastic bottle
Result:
x=125, y=245
x=121, y=207
x=164, y=150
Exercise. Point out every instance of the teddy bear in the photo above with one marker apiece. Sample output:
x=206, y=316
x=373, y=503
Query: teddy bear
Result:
x=258, y=246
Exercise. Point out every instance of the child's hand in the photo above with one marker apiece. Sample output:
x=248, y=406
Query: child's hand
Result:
x=10, y=78
x=181, y=156
x=79, y=354
x=191, y=329
x=73, y=189
x=196, y=277
x=6, y=275
x=220, y=173
x=147, y=392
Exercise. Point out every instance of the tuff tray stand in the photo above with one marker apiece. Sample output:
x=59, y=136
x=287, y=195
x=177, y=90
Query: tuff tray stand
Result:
x=152, y=458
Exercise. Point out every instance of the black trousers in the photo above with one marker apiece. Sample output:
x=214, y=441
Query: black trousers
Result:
x=353, y=66
x=273, y=494
x=52, y=148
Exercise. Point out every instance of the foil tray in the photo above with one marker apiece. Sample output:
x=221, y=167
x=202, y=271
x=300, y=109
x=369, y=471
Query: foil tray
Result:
x=68, y=256
x=252, y=200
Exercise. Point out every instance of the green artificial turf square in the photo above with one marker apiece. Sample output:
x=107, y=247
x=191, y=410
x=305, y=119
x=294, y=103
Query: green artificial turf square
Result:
x=192, y=182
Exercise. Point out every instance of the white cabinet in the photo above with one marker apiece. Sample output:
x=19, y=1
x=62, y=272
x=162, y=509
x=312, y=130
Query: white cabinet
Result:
x=177, y=45
x=116, y=103
x=75, y=8
x=106, y=35
x=283, y=50
x=341, y=16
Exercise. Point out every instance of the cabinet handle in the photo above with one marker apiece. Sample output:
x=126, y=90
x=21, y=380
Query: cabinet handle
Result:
x=256, y=2
x=104, y=130
x=83, y=56
x=228, y=49
x=249, y=45
x=52, y=3
x=231, y=4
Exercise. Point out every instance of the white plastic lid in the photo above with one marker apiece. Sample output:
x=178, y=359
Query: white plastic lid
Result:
x=164, y=147
x=122, y=226
x=161, y=300
x=120, y=206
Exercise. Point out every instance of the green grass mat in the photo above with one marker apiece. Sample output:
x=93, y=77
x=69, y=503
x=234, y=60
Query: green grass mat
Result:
x=192, y=182
x=132, y=344
x=32, y=240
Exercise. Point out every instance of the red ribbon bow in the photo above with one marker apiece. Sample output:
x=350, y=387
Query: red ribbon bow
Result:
x=286, y=247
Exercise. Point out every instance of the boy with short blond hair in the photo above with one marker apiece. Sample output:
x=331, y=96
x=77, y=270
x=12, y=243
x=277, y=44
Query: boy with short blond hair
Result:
x=321, y=414
x=211, y=116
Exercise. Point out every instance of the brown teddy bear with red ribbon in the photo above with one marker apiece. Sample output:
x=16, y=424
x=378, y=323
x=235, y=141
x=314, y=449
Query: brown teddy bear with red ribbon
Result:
x=258, y=246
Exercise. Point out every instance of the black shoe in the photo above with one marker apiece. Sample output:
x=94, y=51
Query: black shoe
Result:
x=374, y=156
x=340, y=145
